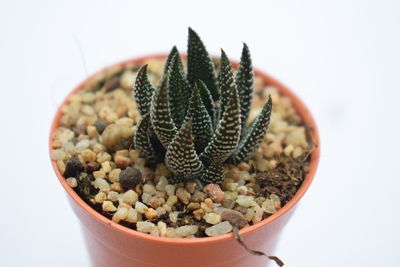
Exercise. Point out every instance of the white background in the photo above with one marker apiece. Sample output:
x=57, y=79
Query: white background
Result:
x=341, y=57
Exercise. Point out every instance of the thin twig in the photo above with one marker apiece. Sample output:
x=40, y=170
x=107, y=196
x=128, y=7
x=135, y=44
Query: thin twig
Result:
x=255, y=252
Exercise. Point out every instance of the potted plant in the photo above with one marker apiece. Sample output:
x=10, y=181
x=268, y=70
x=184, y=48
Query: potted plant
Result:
x=184, y=173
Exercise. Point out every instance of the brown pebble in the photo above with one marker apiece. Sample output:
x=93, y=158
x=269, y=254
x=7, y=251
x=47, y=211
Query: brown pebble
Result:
x=243, y=166
x=92, y=166
x=193, y=206
x=73, y=167
x=100, y=125
x=81, y=129
x=198, y=196
x=209, y=203
x=130, y=177
x=150, y=213
x=233, y=174
x=214, y=192
x=156, y=202
x=191, y=187
x=228, y=203
x=111, y=84
x=183, y=195
x=241, y=209
x=234, y=217
x=198, y=214
x=121, y=161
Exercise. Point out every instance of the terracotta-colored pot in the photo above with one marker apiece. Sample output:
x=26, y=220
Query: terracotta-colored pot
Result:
x=113, y=245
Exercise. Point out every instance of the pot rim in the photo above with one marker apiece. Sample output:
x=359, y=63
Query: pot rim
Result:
x=301, y=110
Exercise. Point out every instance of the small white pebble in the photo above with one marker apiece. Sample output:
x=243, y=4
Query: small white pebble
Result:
x=58, y=154
x=82, y=145
x=113, y=196
x=99, y=174
x=101, y=184
x=219, y=229
x=258, y=213
x=106, y=167
x=288, y=150
x=250, y=214
x=121, y=214
x=149, y=189
x=145, y=227
x=140, y=207
x=103, y=156
x=146, y=198
x=297, y=137
x=100, y=197
x=172, y=200
x=269, y=206
x=162, y=183
x=113, y=176
x=170, y=189
x=173, y=216
x=92, y=132
x=297, y=152
x=133, y=216
x=186, y=230
x=130, y=197
x=72, y=182
x=242, y=190
x=171, y=232
x=108, y=206
x=162, y=228
x=160, y=211
x=212, y=218
x=245, y=201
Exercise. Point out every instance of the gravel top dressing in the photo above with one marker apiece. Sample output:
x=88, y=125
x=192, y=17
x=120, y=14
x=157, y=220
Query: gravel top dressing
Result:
x=93, y=148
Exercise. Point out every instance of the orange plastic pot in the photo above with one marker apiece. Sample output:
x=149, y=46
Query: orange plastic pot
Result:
x=113, y=245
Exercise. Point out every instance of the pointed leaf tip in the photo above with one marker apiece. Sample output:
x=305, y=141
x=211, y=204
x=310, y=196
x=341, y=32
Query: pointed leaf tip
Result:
x=200, y=65
x=143, y=91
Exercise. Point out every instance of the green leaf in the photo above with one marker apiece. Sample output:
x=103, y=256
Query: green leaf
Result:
x=142, y=139
x=226, y=80
x=254, y=135
x=160, y=114
x=143, y=91
x=226, y=137
x=181, y=157
x=171, y=54
x=201, y=121
x=214, y=174
x=244, y=82
x=205, y=97
x=179, y=90
x=200, y=65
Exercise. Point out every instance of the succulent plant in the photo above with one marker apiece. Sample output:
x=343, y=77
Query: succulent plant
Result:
x=196, y=122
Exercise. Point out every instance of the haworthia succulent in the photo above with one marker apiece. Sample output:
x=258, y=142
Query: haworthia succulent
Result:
x=254, y=134
x=171, y=54
x=143, y=91
x=160, y=114
x=244, y=82
x=210, y=114
x=142, y=139
x=201, y=121
x=227, y=135
x=200, y=65
x=181, y=157
x=226, y=80
x=179, y=90
x=214, y=173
